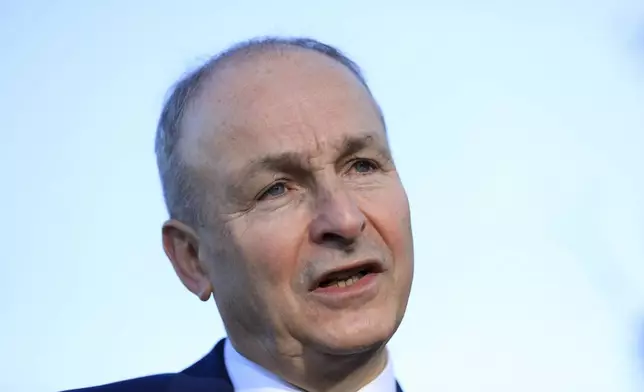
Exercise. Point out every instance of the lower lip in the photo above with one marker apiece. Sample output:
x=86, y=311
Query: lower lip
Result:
x=363, y=285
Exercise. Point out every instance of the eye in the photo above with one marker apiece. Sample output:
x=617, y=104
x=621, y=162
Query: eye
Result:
x=363, y=166
x=275, y=190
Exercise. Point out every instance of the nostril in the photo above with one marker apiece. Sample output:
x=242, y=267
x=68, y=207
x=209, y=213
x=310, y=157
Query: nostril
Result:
x=337, y=241
x=339, y=229
x=336, y=238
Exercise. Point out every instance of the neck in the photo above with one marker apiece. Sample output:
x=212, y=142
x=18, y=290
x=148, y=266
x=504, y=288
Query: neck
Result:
x=312, y=371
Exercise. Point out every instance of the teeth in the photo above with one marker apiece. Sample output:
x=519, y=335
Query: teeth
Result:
x=347, y=282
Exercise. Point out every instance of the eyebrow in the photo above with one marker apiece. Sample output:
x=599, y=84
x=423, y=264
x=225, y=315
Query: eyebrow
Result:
x=351, y=145
x=296, y=163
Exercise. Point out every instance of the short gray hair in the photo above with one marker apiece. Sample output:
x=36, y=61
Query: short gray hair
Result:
x=182, y=193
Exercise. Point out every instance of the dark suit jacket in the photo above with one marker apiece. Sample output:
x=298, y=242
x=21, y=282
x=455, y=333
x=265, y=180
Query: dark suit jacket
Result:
x=207, y=375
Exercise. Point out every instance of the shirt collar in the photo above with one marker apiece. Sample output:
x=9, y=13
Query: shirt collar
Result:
x=247, y=376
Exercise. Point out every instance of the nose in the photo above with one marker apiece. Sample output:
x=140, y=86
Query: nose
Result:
x=338, y=220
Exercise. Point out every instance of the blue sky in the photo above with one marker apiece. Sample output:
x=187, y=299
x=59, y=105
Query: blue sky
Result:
x=518, y=127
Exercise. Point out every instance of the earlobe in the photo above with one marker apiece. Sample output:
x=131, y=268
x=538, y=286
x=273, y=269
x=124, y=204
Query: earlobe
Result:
x=181, y=245
x=204, y=295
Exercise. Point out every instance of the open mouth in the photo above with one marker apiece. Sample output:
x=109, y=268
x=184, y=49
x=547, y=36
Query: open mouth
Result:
x=347, y=277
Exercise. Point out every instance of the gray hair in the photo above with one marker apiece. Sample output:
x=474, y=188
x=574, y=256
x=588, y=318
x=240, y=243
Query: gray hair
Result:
x=181, y=191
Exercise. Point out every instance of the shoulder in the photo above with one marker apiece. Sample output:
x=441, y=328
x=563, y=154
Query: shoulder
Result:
x=156, y=383
x=207, y=375
x=172, y=382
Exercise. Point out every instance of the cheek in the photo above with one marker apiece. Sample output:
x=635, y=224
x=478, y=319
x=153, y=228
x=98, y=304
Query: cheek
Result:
x=389, y=213
x=270, y=248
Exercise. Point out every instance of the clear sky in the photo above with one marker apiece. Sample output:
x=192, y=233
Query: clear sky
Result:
x=518, y=127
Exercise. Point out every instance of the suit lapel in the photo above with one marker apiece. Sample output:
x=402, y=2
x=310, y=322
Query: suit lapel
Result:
x=207, y=375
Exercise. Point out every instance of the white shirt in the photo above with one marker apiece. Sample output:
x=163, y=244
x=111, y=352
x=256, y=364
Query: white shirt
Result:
x=247, y=376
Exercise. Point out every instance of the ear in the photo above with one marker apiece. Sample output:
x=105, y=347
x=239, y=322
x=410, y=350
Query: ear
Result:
x=181, y=245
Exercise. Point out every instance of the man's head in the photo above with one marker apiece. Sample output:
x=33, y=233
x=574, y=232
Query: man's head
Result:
x=285, y=202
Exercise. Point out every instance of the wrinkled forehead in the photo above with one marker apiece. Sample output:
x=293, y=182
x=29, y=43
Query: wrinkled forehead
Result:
x=294, y=101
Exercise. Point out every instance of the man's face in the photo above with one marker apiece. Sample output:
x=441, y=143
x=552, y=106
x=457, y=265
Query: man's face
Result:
x=309, y=242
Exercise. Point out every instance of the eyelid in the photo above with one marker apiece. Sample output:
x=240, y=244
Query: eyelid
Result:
x=377, y=165
x=263, y=193
x=350, y=162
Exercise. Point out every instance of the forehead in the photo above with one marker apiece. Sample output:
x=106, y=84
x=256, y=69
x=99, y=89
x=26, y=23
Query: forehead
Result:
x=288, y=101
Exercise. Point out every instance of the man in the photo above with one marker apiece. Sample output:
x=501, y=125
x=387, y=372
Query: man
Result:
x=284, y=204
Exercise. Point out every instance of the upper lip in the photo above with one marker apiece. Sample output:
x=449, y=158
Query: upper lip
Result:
x=371, y=265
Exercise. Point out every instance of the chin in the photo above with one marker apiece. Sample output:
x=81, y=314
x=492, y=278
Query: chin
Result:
x=354, y=335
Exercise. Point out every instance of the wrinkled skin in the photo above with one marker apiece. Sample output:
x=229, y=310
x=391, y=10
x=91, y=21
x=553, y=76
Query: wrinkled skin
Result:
x=293, y=156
